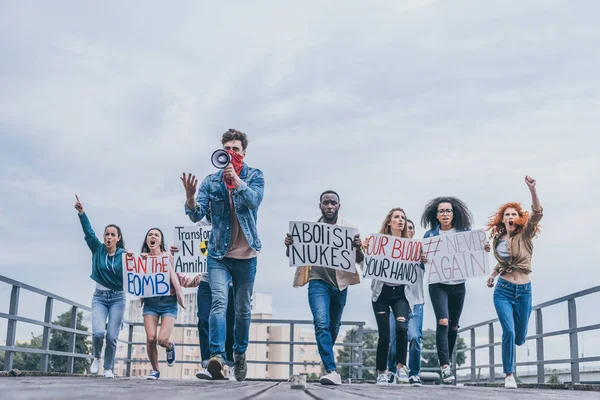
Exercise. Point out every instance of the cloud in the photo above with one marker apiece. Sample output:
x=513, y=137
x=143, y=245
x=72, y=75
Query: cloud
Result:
x=390, y=105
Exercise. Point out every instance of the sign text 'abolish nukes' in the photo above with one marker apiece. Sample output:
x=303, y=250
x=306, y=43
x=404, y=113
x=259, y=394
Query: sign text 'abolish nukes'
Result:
x=322, y=245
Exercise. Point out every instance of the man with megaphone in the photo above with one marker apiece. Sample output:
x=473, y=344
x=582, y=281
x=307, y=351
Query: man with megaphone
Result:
x=234, y=194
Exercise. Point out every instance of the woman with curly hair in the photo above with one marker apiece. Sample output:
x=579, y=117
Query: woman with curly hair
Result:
x=446, y=215
x=512, y=230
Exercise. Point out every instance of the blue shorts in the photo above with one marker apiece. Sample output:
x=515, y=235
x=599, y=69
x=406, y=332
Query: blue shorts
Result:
x=161, y=306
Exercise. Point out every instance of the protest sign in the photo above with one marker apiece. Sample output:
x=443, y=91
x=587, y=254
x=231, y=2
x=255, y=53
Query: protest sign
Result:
x=455, y=256
x=322, y=245
x=147, y=277
x=393, y=259
x=192, y=242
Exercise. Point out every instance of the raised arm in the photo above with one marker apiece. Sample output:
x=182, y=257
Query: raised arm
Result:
x=90, y=236
x=252, y=194
x=195, y=208
x=536, y=208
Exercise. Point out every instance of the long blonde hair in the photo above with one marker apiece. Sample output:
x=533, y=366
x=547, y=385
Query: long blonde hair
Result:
x=385, y=228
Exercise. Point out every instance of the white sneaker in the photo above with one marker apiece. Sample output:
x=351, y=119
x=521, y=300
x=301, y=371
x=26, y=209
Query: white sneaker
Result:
x=95, y=368
x=204, y=374
x=108, y=374
x=232, y=374
x=447, y=376
x=510, y=383
x=332, y=378
x=383, y=379
x=402, y=375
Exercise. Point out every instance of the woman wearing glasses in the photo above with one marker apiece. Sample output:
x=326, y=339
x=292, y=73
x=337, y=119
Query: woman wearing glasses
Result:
x=446, y=215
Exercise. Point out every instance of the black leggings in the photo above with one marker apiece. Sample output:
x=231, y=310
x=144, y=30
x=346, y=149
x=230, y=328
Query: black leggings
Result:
x=391, y=297
x=447, y=302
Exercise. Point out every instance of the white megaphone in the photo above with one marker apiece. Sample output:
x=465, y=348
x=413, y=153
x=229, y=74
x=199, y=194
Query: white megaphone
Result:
x=220, y=159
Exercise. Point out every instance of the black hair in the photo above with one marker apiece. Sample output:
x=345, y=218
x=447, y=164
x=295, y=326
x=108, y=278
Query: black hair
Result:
x=410, y=220
x=120, y=242
x=462, y=218
x=329, y=192
x=146, y=249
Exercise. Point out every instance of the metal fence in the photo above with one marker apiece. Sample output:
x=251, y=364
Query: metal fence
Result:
x=13, y=317
x=574, y=360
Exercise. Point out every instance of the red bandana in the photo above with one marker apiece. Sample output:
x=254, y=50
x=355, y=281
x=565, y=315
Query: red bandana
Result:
x=238, y=163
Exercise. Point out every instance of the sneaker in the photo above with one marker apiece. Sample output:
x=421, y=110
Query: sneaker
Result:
x=447, y=376
x=402, y=375
x=108, y=374
x=215, y=367
x=391, y=377
x=154, y=375
x=171, y=355
x=383, y=379
x=240, y=369
x=231, y=374
x=509, y=382
x=204, y=374
x=414, y=380
x=332, y=378
x=95, y=368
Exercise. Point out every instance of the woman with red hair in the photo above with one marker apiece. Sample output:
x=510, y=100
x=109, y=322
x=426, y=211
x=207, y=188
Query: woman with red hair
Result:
x=512, y=230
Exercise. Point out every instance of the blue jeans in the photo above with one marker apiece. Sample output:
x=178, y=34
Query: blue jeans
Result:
x=111, y=304
x=204, y=304
x=513, y=305
x=326, y=304
x=220, y=273
x=415, y=331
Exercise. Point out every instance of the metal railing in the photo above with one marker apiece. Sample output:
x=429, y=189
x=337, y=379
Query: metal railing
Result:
x=13, y=317
x=539, y=336
x=355, y=345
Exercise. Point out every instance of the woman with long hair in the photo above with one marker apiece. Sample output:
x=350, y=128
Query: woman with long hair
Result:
x=108, y=301
x=400, y=299
x=512, y=231
x=446, y=215
x=163, y=307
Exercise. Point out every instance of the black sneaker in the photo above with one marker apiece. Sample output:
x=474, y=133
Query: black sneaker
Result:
x=215, y=367
x=239, y=366
x=171, y=355
x=414, y=380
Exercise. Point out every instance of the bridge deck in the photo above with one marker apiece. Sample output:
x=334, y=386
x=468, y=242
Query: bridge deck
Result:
x=41, y=388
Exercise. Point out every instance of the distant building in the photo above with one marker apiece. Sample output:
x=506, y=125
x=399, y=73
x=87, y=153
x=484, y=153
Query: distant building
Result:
x=188, y=355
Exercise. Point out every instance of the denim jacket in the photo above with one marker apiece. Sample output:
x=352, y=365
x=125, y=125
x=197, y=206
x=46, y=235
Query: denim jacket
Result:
x=246, y=198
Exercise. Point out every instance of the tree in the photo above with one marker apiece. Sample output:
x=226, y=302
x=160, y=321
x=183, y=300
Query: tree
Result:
x=431, y=359
x=369, y=342
x=26, y=361
x=59, y=341
x=554, y=379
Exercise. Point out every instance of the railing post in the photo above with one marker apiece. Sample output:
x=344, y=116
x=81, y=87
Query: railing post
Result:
x=492, y=373
x=573, y=341
x=360, y=351
x=11, y=328
x=453, y=358
x=539, y=346
x=129, y=350
x=72, y=338
x=291, y=348
x=473, y=361
x=46, y=336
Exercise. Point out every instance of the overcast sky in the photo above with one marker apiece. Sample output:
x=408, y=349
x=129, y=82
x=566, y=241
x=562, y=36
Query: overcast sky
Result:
x=390, y=103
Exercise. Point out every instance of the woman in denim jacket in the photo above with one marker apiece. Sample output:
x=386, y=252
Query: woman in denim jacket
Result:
x=446, y=215
x=109, y=298
x=512, y=230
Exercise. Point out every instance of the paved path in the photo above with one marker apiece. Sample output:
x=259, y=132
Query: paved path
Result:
x=42, y=388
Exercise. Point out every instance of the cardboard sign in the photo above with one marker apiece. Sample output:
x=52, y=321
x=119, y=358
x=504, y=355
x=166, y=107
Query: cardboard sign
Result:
x=393, y=259
x=192, y=242
x=455, y=256
x=322, y=245
x=147, y=277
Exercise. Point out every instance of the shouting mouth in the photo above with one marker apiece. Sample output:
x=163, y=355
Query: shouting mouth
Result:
x=511, y=223
x=152, y=242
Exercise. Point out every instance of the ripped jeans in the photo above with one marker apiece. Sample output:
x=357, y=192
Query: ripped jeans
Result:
x=391, y=297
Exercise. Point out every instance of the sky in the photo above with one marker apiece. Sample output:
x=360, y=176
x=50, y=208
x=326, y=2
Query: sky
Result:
x=390, y=104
